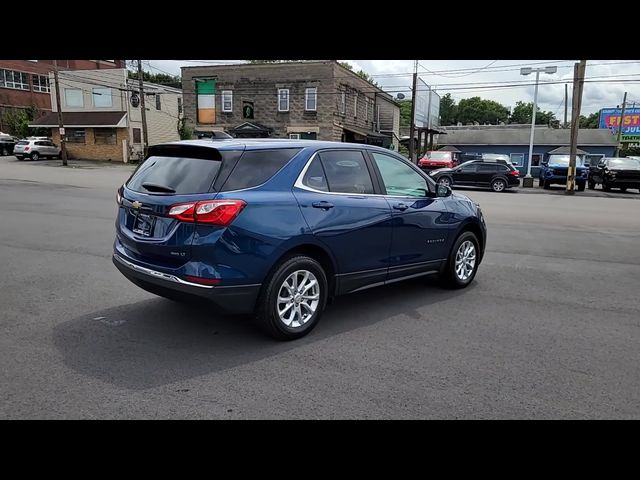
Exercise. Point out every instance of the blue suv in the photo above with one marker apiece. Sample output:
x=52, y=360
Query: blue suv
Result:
x=276, y=228
x=554, y=171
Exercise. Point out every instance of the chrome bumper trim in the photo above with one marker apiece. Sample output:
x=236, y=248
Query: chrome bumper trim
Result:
x=156, y=274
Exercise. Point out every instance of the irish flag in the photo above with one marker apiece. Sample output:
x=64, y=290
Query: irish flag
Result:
x=206, y=91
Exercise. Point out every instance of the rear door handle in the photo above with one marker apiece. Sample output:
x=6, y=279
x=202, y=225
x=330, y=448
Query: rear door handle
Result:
x=401, y=206
x=323, y=205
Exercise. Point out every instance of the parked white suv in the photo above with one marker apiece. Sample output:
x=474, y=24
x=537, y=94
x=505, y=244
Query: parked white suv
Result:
x=36, y=149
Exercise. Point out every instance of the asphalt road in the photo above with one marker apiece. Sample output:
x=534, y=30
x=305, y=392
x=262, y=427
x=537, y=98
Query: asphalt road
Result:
x=550, y=328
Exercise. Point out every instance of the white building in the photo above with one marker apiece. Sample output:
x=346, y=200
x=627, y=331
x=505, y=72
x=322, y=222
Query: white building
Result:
x=102, y=116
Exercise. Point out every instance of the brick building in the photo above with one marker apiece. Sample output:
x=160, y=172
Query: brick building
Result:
x=307, y=100
x=24, y=84
x=102, y=117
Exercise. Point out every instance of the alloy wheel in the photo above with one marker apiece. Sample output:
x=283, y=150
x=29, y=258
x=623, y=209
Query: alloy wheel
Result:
x=298, y=298
x=465, y=260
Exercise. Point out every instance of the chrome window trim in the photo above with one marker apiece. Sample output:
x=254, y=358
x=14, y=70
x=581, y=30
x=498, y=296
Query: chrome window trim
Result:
x=298, y=183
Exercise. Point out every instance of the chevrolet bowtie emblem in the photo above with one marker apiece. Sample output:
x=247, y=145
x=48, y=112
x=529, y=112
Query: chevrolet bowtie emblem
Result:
x=136, y=204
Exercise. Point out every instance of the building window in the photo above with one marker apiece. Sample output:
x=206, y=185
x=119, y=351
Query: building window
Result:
x=40, y=83
x=73, y=97
x=517, y=159
x=75, y=135
x=355, y=105
x=294, y=136
x=179, y=105
x=158, y=104
x=137, y=137
x=13, y=79
x=102, y=97
x=311, y=99
x=105, y=136
x=227, y=101
x=283, y=100
x=343, y=102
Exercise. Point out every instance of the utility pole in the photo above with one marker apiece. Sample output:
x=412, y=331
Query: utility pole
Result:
x=624, y=106
x=63, y=145
x=576, y=101
x=566, y=101
x=145, y=135
x=412, y=130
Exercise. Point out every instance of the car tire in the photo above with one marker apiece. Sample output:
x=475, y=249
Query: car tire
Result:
x=35, y=156
x=605, y=186
x=623, y=189
x=581, y=187
x=5, y=152
x=592, y=185
x=546, y=185
x=288, y=320
x=541, y=183
x=445, y=180
x=498, y=185
x=452, y=276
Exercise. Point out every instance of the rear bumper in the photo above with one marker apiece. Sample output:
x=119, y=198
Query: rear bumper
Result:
x=233, y=299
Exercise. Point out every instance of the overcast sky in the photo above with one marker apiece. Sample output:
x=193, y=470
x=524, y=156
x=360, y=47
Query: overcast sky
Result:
x=469, y=78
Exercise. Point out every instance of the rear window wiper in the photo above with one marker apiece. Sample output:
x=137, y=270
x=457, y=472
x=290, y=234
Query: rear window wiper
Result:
x=154, y=187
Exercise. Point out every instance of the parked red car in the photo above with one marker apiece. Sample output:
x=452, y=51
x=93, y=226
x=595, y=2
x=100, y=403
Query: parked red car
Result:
x=438, y=159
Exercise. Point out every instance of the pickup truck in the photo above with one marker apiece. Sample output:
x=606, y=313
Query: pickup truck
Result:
x=553, y=170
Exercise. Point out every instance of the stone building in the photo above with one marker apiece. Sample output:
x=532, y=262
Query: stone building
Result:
x=307, y=100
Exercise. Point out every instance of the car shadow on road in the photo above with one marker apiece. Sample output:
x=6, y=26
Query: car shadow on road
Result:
x=157, y=342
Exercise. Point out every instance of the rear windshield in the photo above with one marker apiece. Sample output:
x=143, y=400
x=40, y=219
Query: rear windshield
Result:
x=439, y=155
x=175, y=175
x=257, y=166
x=23, y=142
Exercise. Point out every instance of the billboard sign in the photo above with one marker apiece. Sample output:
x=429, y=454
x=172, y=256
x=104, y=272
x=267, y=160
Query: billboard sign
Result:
x=427, y=111
x=610, y=118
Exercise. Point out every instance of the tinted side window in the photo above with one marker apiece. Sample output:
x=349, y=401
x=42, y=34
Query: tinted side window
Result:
x=484, y=168
x=257, y=166
x=183, y=175
x=314, y=177
x=346, y=171
x=471, y=168
x=504, y=168
x=398, y=178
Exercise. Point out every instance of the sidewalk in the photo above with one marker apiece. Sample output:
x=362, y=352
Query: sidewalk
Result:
x=84, y=164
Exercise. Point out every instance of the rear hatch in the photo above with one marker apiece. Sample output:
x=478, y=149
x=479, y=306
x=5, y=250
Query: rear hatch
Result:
x=172, y=174
x=19, y=147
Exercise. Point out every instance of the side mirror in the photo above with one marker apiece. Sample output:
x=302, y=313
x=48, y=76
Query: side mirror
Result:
x=443, y=191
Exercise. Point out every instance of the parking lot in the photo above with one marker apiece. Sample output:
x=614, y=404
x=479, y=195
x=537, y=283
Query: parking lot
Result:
x=549, y=329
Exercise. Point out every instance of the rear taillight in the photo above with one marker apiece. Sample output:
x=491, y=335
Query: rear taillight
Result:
x=515, y=173
x=212, y=212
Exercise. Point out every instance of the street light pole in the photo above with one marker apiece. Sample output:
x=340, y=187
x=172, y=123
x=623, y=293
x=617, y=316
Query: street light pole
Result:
x=528, y=181
x=533, y=125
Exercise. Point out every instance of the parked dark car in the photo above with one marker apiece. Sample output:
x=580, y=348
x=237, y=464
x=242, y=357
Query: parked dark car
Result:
x=6, y=145
x=277, y=227
x=613, y=172
x=495, y=175
x=554, y=169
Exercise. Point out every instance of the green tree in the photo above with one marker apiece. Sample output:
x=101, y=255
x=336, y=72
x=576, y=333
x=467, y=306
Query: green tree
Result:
x=448, y=110
x=361, y=73
x=592, y=121
x=184, y=130
x=476, y=109
x=522, y=114
x=17, y=121
x=159, y=78
x=405, y=112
